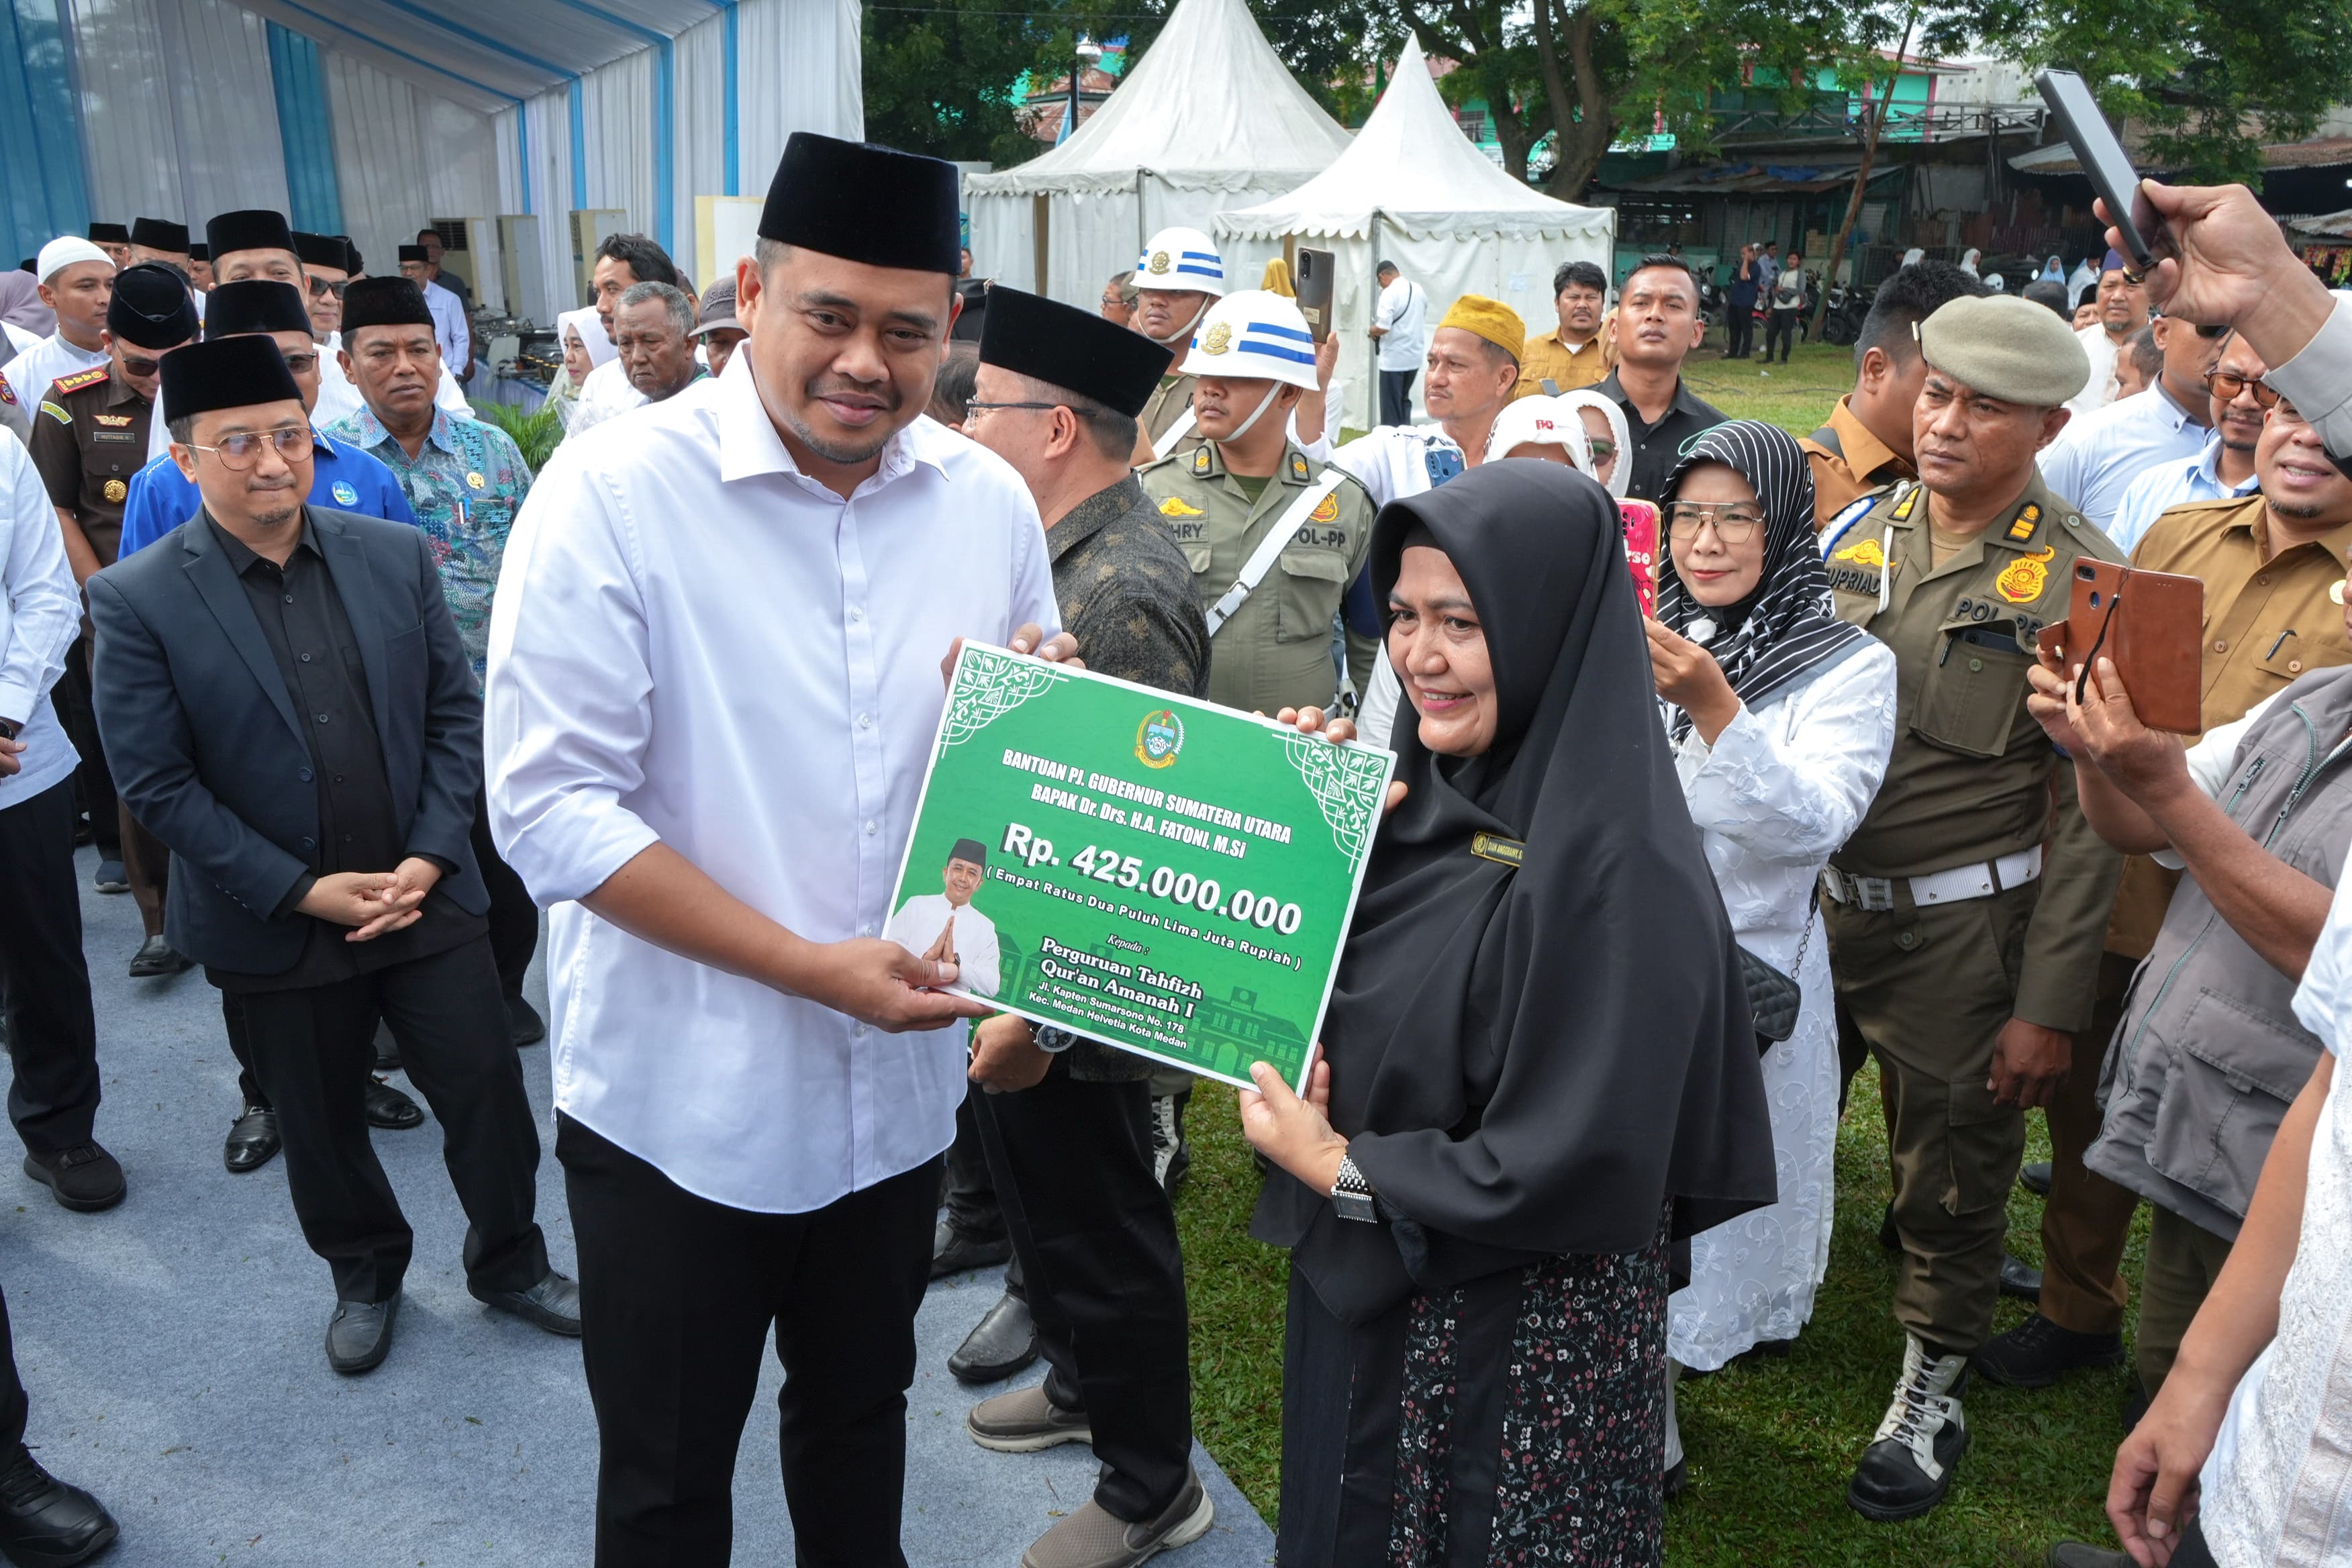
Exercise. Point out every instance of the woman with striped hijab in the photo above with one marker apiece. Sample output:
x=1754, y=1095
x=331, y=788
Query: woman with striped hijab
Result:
x=1782, y=718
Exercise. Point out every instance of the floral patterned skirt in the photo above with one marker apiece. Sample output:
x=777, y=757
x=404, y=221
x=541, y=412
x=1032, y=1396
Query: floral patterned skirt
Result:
x=1517, y=1419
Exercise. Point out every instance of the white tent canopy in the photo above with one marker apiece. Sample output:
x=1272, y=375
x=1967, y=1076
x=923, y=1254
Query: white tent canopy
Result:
x=1208, y=118
x=1411, y=189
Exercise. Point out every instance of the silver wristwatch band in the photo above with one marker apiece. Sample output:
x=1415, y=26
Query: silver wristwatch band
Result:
x=1352, y=1195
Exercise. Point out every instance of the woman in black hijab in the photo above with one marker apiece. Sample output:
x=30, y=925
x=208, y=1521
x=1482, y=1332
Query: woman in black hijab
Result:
x=1539, y=1064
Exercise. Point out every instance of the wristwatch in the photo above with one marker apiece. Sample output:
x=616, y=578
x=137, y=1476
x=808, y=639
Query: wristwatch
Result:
x=10, y=728
x=1351, y=1196
x=1052, y=1040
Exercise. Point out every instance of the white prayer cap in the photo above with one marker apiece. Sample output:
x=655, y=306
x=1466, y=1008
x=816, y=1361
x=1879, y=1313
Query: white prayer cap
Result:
x=63, y=252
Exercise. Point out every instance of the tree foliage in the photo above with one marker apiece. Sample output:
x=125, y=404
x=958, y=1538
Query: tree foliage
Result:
x=941, y=78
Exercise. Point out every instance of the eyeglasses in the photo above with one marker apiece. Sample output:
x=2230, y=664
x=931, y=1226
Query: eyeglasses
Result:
x=2209, y=330
x=321, y=286
x=973, y=406
x=2226, y=386
x=1734, y=523
x=133, y=365
x=1602, y=447
x=239, y=452
x=302, y=364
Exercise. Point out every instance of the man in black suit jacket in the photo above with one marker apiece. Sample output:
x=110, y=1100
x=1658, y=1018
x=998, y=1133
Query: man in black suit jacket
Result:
x=291, y=712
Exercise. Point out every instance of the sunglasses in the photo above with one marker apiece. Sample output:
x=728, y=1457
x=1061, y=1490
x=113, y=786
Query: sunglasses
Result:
x=138, y=368
x=2226, y=386
x=321, y=286
x=1602, y=448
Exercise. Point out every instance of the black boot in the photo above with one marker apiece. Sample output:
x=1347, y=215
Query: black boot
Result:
x=45, y=1523
x=2038, y=1352
x=1909, y=1466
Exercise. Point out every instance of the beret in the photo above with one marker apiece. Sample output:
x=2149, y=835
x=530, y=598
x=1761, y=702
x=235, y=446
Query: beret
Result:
x=160, y=234
x=63, y=252
x=152, y=307
x=248, y=228
x=1075, y=350
x=1491, y=320
x=256, y=305
x=226, y=372
x=2006, y=347
x=389, y=303
x=866, y=204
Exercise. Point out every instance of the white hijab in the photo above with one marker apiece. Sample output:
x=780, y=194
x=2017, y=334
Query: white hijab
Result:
x=591, y=328
x=1622, y=474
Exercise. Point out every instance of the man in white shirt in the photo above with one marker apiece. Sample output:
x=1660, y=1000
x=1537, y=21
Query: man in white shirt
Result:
x=450, y=327
x=2222, y=468
x=2123, y=311
x=76, y=281
x=52, y=1037
x=1400, y=328
x=945, y=927
x=622, y=261
x=2099, y=455
x=711, y=777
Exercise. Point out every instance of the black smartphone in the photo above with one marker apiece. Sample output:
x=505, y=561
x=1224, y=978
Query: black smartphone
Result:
x=2105, y=162
x=1319, y=271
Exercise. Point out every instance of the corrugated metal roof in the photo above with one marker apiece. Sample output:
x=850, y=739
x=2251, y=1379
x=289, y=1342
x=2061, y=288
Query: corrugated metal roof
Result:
x=487, y=56
x=1749, y=179
x=2320, y=153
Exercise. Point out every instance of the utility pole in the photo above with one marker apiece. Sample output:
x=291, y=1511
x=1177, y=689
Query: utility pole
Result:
x=1862, y=177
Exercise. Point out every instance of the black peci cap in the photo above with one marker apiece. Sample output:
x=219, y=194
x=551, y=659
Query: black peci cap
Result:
x=414, y=253
x=226, y=372
x=199, y=251
x=109, y=233
x=968, y=849
x=160, y=234
x=256, y=305
x=320, y=251
x=383, y=302
x=248, y=228
x=1072, y=349
x=864, y=202
x=152, y=307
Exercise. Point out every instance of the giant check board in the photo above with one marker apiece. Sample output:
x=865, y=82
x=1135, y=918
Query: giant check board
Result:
x=1165, y=875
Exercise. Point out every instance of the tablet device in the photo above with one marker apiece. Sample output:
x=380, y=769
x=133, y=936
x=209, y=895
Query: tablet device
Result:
x=2152, y=623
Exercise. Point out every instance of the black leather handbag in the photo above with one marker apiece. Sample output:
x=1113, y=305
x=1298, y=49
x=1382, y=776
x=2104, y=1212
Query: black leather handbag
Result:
x=1773, y=998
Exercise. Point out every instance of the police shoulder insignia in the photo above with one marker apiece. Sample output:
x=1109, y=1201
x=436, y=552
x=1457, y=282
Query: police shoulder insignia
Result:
x=2023, y=526
x=1174, y=507
x=1903, y=508
x=1326, y=510
x=1297, y=466
x=55, y=413
x=80, y=379
x=1200, y=459
x=2023, y=580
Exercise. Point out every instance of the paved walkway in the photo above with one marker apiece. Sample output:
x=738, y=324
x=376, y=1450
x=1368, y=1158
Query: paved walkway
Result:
x=172, y=1347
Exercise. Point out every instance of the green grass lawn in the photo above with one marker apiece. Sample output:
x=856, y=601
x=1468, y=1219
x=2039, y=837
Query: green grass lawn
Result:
x=1771, y=1442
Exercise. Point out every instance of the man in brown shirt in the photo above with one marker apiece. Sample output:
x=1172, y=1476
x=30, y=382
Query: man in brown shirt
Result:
x=2270, y=561
x=1866, y=445
x=1570, y=354
x=90, y=438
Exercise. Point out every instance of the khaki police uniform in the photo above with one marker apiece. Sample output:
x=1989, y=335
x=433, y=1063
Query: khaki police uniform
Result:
x=90, y=436
x=1275, y=652
x=1163, y=408
x=1945, y=920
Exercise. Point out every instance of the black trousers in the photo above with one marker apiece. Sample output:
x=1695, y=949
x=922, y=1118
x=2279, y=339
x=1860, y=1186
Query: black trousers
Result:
x=71, y=698
x=676, y=1296
x=1781, y=327
x=52, y=1033
x=972, y=1191
x=514, y=918
x=312, y=1049
x=1102, y=1273
x=1396, y=397
x=1739, y=332
x=14, y=1404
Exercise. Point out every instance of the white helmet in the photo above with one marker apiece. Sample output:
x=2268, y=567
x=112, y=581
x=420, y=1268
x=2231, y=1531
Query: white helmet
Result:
x=1254, y=335
x=1181, y=260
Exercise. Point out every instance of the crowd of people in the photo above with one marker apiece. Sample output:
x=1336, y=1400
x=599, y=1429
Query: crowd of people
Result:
x=344, y=695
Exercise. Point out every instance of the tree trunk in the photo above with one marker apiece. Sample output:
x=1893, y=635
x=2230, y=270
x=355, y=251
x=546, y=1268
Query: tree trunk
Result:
x=1582, y=126
x=1861, y=178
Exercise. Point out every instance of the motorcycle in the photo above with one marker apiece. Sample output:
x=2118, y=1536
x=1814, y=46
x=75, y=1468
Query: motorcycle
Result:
x=1841, y=321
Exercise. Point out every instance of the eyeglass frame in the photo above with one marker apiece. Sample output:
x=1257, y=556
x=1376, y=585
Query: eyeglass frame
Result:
x=327, y=286
x=276, y=436
x=973, y=406
x=2259, y=386
x=1710, y=520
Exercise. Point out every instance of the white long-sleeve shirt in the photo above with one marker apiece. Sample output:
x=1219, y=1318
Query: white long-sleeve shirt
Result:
x=607, y=393
x=979, y=963
x=694, y=642
x=40, y=615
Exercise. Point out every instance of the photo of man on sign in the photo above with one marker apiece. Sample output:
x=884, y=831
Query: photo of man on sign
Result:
x=945, y=925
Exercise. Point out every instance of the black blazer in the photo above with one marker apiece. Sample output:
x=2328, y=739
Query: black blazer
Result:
x=207, y=750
